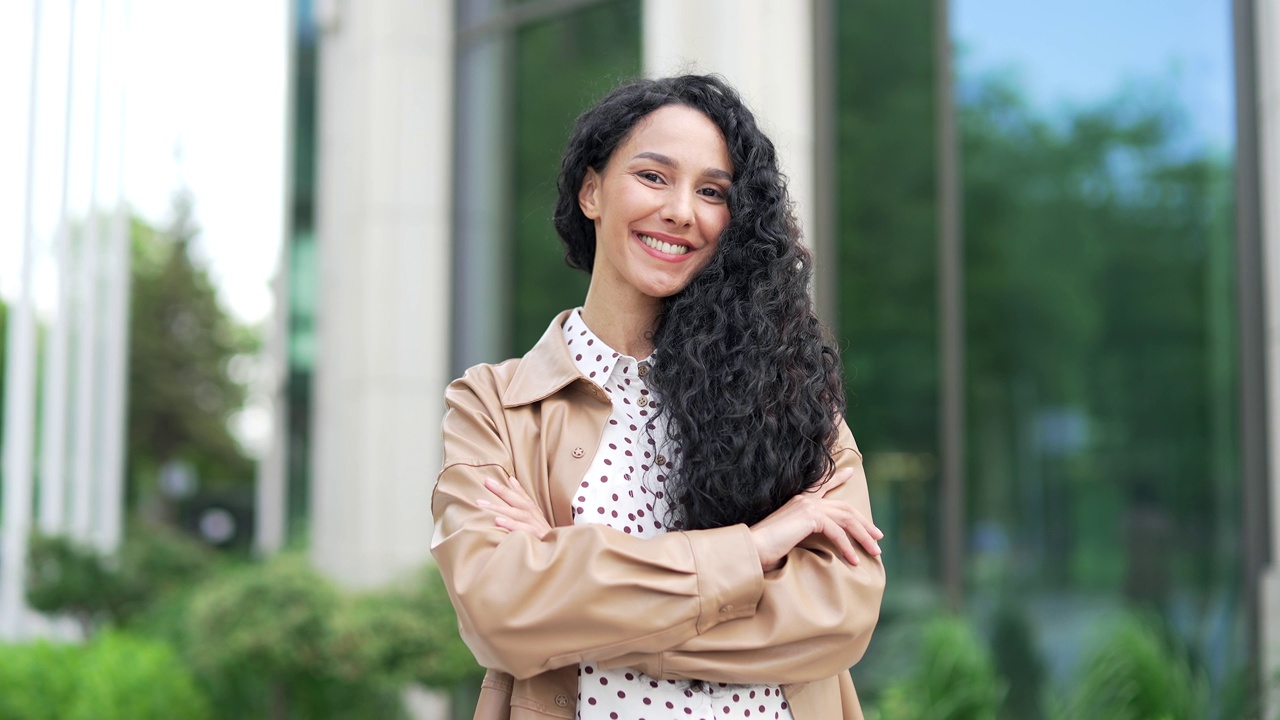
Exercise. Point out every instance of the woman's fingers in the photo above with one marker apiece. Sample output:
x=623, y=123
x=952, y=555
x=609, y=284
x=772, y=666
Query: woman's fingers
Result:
x=857, y=526
x=516, y=511
x=836, y=533
x=836, y=479
x=807, y=515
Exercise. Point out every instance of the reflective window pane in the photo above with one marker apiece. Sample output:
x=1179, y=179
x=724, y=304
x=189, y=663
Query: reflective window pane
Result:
x=562, y=66
x=1098, y=223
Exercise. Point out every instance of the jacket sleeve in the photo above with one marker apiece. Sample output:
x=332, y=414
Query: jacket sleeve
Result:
x=814, y=619
x=582, y=593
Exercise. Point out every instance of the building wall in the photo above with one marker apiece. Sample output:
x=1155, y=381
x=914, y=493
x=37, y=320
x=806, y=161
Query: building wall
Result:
x=383, y=232
x=1268, y=67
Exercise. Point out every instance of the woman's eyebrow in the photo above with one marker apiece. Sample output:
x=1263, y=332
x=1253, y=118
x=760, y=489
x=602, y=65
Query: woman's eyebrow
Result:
x=664, y=160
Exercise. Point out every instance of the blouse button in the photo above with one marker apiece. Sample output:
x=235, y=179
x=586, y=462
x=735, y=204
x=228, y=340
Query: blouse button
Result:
x=643, y=369
x=578, y=452
x=642, y=401
x=562, y=700
x=661, y=460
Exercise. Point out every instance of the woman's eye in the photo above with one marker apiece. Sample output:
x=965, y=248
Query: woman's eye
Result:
x=652, y=177
x=712, y=192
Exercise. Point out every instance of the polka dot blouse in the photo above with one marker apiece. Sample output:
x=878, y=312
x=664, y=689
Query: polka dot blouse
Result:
x=623, y=488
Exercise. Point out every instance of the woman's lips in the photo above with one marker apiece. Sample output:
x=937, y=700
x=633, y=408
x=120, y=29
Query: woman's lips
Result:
x=661, y=249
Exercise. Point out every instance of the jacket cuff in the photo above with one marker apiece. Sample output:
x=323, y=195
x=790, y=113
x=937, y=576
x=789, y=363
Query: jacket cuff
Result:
x=730, y=581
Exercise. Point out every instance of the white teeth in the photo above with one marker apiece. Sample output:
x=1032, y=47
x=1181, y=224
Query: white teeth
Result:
x=664, y=247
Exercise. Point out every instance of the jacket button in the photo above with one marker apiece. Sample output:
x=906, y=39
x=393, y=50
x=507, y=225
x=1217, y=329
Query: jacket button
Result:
x=562, y=700
x=579, y=452
x=726, y=609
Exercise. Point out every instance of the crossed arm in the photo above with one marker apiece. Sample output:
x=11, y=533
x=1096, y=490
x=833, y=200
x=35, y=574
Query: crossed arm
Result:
x=783, y=601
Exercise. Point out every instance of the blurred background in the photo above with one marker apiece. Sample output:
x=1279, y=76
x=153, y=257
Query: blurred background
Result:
x=245, y=245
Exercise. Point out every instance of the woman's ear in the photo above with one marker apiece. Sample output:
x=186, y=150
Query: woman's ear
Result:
x=589, y=194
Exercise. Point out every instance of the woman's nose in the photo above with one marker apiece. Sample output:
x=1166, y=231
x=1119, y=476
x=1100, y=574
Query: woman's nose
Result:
x=678, y=209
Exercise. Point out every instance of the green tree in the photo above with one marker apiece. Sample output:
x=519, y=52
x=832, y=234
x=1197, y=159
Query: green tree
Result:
x=70, y=579
x=181, y=395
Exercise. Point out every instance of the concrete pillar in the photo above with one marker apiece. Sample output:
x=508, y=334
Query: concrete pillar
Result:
x=1267, y=17
x=763, y=48
x=383, y=205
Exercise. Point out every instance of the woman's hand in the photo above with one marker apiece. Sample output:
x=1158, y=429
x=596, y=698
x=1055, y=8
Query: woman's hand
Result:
x=812, y=513
x=517, y=511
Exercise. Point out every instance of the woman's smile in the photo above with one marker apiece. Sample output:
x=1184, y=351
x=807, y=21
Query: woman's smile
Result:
x=664, y=247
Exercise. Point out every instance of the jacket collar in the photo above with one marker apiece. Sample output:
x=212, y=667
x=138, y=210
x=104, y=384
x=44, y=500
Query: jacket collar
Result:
x=544, y=370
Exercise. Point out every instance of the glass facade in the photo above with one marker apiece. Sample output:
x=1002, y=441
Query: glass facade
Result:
x=302, y=271
x=562, y=66
x=1095, y=204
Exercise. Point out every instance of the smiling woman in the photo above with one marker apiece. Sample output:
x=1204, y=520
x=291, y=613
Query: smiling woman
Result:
x=660, y=504
x=654, y=201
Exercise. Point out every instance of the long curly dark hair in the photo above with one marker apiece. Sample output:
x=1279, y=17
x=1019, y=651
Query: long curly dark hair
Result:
x=750, y=383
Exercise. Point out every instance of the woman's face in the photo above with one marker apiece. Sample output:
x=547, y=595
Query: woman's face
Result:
x=659, y=205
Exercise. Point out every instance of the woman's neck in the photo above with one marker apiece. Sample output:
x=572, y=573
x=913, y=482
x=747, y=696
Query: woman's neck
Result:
x=624, y=321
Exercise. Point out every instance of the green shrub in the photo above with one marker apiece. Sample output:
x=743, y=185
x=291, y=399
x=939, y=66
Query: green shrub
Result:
x=1138, y=673
x=127, y=678
x=955, y=678
x=116, y=677
x=263, y=639
x=37, y=680
x=406, y=634
x=67, y=578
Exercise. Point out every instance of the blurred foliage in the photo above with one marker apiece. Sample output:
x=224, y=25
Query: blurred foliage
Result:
x=263, y=639
x=562, y=66
x=181, y=343
x=278, y=639
x=67, y=578
x=114, y=677
x=1133, y=669
x=1139, y=673
x=1013, y=644
x=38, y=680
x=955, y=678
x=407, y=632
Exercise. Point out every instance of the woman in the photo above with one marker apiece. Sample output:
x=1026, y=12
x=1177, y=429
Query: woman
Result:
x=659, y=511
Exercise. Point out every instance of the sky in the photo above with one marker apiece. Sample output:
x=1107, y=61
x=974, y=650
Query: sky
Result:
x=1081, y=52
x=193, y=94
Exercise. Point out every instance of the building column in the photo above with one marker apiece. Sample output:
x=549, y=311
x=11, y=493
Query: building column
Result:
x=1267, y=43
x=766, y=50
x=383, y=210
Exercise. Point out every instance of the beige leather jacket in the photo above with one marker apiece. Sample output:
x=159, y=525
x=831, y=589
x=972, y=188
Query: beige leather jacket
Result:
x=683, y=605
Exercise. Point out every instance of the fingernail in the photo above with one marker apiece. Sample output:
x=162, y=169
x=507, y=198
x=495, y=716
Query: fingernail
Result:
x=877, y=548
x=482, y=503
x=491, y=483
